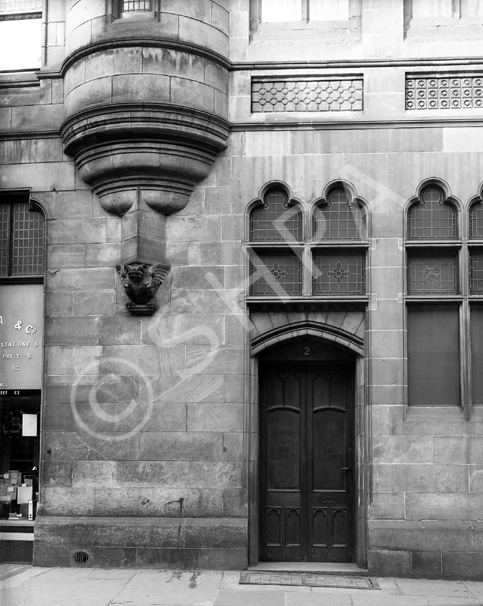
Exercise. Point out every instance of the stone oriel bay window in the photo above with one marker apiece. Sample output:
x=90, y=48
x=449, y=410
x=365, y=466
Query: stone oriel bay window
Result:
x=444, y=247
x=319, y=253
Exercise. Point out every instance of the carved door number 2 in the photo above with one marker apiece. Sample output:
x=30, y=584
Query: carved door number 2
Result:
x=307, y=351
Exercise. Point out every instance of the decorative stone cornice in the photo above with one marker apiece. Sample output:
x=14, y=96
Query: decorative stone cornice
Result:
x=145, y=41
x=159, y=150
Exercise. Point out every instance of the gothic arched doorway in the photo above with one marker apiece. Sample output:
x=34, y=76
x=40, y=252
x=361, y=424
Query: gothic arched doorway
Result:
x=307, y=453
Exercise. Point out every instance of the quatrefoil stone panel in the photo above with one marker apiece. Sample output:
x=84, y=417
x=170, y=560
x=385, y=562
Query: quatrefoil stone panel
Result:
x=444, y=92
x=311, y=95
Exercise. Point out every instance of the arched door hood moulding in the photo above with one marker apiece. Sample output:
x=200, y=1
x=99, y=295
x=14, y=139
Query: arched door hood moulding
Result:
x=160, y=151
x=307, y=328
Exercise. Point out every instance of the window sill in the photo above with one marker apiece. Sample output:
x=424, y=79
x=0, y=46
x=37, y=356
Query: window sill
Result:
x=434, y=298
x=309, y=299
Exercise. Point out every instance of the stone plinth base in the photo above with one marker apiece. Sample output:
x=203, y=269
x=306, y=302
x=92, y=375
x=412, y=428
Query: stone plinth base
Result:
x=189, y=543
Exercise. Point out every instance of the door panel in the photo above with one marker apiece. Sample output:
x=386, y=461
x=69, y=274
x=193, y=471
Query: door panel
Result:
x=306, y=447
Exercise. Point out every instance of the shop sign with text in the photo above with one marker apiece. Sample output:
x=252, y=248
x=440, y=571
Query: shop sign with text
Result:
x=21, y=336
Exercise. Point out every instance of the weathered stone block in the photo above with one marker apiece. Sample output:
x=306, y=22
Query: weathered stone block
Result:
x=217, y=474
x=387, y=505
x=90, y=93
x=170, y=62
x=468, y=565
x=80, y=330
x=387, y=372
x=215, y=533
x=388, y=343
x=118, y=330
x=215, y=416
x=86, y=445
x=197, y=32
x=136, y=88
x=418, y=478
x=434, y=506
x=79, y=279
x=427, y=535
x=30, y=117
x=389, y=563
x=192, y=94
x=403, y=449
x=427, y=564
x=96, y=303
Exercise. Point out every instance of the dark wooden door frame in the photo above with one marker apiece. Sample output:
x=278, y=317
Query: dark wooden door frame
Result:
x=320, y=495
x=362, y=434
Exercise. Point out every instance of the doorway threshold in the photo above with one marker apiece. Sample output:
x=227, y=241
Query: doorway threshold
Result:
x=337, y=568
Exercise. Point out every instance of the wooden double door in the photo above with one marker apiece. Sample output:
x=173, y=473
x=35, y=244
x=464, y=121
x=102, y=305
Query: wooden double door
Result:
x=307, y=462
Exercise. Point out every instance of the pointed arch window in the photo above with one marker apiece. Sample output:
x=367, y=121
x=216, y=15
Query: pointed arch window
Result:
x=432, y=218
x=329, y=263
x=339, y=218
x=435, y=290
x=276, y=221
x=339, y=236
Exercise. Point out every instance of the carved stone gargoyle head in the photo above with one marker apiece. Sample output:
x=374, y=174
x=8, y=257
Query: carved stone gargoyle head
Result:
x=141, y=281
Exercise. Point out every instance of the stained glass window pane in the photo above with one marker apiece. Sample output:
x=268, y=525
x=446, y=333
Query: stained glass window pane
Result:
x=431, y=218
x=339, y=219
x=476, y=221
x=4, y=238
x=477, y=353
x=433, y=355
x=476, y=271
x=432, y=273
x=27, y=241
x=275, y=221
x=339, y=274
x=276, y=273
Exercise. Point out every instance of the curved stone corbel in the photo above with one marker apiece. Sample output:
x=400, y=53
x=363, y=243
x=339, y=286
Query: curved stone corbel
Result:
x=155, y=152
x=141, y=282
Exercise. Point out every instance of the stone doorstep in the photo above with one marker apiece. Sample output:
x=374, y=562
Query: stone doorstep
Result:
x=327, y=568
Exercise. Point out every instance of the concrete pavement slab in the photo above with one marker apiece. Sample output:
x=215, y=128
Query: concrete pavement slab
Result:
x=447, y=589
x=28, y=586
x=163, y=587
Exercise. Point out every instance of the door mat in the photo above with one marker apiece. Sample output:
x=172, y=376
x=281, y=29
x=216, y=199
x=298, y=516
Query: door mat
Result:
x=307, y=579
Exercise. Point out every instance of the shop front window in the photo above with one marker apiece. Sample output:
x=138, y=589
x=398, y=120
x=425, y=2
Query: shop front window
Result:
x=21, y=364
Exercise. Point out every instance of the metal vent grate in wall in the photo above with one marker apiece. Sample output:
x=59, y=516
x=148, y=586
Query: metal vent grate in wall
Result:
x=80, y=557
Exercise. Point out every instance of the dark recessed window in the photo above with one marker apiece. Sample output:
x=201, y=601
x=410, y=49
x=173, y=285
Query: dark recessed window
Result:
x=433, y=355
x=129, y=6
x=339, y=273
x=432, y=218
x=338, y=218
x=22, y=240
x=275, y=220
x=276, y=273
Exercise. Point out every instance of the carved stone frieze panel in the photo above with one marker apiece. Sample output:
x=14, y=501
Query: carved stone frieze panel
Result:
x=432, y=91
x=312, y=94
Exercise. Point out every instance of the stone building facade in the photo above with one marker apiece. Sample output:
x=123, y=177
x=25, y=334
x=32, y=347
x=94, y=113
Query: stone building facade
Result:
x=247, y=235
